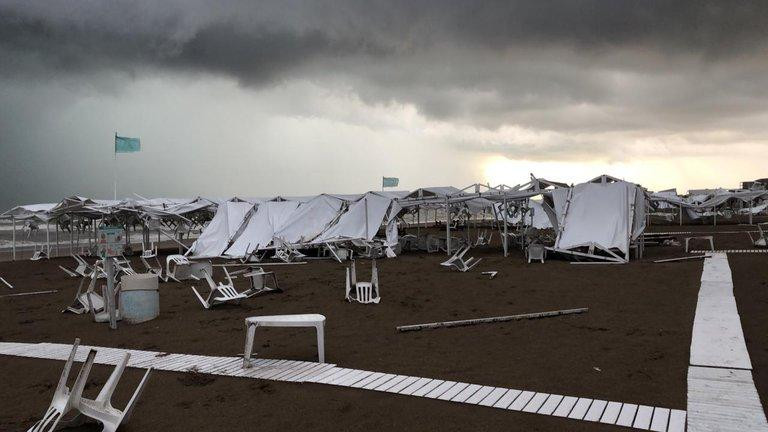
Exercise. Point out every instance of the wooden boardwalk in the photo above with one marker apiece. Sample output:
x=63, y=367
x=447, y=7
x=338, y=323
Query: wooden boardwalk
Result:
x=572, y=407
x=721, y=392
x=734, y=251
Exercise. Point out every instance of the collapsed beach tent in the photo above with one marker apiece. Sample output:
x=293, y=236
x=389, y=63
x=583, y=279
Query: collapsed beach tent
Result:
x=606, y=216
x=30, y=211
x=363, y=219
x=258, y=230
x=311, y=219
x=536, y=217
x=217, y=234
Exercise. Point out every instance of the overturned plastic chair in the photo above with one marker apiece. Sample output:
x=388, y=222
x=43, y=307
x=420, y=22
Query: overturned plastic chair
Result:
x=153, y=267
x=364, y=292
x=87, y=301
x=221, y=293
x=483, y=238
x=288, y=253
x=83, y=268
x=172, y=264
x=458, y=262
x=101, y=409
x=64, y=399
x=535, y=251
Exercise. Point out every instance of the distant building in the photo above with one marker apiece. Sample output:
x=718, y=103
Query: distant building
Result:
x=759, y=184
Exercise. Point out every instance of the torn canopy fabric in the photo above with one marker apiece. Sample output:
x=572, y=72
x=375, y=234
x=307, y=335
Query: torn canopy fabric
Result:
x=606, y=215
x=311, y=219
x=260, y=227
x=363, y=219
x=217, y=234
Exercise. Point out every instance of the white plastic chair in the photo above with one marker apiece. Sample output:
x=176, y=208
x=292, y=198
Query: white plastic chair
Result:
x=152, y=267
x=339, y=254
x=38, y=255
x=259, y=285
x=458, y=262
x=287, y=253
x=64, y=399
x=70, y=273
x=83, y=269
x=172, y=263
x=123, y=266
x=483, y=238
x=364, y=292
x=535, y=251
x=86, y=301
x=101, y=409
x=221, y=293
x=368, y=249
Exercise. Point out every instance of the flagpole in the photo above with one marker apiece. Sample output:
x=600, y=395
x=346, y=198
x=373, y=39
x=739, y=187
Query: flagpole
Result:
x=114, y=166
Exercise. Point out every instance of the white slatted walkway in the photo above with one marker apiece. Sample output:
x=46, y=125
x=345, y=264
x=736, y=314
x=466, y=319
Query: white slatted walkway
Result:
x=748, y=251
x=616, y=413
x=717, y=339
x=721, y=392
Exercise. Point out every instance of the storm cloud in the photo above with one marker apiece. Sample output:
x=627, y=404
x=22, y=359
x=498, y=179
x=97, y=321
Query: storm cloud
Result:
x=553, y=80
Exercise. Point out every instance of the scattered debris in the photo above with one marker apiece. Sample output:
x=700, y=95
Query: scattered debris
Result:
x=681, y=258
x=29, y=293
x=474, y=321
x=6, y=282
x=490, y=274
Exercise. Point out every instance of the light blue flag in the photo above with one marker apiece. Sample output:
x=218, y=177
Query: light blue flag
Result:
x=127, y=145
x=389, y=182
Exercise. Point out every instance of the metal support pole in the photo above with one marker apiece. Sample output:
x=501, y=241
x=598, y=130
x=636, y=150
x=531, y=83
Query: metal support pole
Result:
x=109, y=268
x=714, y=213
x=57, y=238
x=13, y=242
x=681, y=214
x=751, y=205
x=504, y=218
x=447, y=228
x=47, y=239
x=71, y=239
x=418, y=223
x=366, y=218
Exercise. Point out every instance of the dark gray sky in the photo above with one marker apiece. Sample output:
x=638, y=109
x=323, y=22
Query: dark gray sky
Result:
x=295, y=97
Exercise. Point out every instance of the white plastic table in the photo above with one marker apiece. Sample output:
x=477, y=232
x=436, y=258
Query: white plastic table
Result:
x=299, y=320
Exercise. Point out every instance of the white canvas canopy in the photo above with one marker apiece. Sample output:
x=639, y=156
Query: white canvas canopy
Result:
x=224, y=225
x=363, y=219
x=603, y=215
x=260, y=227
x=29, y=211
x=310, y=219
